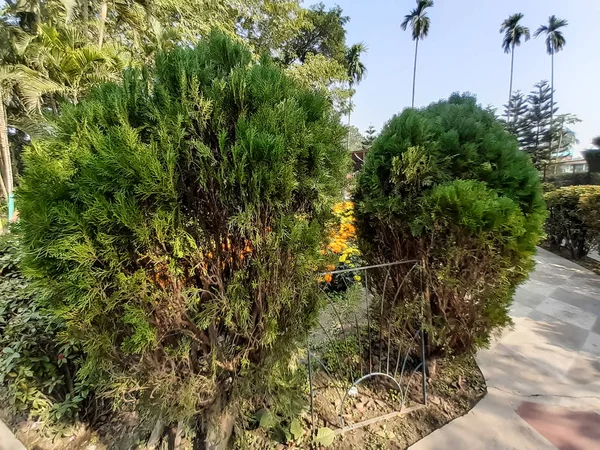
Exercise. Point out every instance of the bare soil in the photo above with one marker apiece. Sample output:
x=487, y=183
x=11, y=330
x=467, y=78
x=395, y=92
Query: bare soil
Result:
x=453, y=390
x=123, y=431
x=456, y=387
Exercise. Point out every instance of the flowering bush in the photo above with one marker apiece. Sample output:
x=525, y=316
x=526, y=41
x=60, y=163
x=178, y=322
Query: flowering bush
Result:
x=342, y=249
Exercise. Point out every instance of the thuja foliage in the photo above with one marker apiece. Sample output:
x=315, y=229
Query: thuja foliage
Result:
x=447, y=186
x=176, y=222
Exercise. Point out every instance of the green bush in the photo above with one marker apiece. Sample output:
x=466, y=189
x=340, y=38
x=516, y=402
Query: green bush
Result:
x=36, y=373
x=447, y=186
x=574, y=219
x=175, y=222
x=572, y=179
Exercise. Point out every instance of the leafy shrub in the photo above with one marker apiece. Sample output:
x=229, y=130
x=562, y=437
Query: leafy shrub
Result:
x=175, y=222
x=447, y=186
x=36, y=372
x=573, y=179
x=574, y=219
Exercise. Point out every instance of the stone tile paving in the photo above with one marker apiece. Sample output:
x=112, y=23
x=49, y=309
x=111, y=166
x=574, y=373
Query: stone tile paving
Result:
x=543, y=375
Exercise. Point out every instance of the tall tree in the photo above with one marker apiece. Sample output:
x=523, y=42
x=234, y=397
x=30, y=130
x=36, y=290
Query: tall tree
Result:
x=513, y=33
x=555, y=42
x=419, y=24
x=537, y=140
x=517, y=122
x=356, y=71
x=369, y=138
x=564, y=137
x=322, y=33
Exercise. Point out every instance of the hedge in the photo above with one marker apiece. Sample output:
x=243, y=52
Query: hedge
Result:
x=574, y=219
x=447, y=186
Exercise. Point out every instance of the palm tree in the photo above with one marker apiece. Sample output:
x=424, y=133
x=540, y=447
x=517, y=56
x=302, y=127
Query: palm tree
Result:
x=22, y=84
x=555, y=42
x=356, y=71
x=419, y=23
x=513, y=33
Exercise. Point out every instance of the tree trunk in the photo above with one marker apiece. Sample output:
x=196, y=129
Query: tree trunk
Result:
x=512, y=64
x=552, y=104
x=85, y=6
x=219, y=427
x=415, y=73
x=103, y=13
x=7, y=177
x=349, y=113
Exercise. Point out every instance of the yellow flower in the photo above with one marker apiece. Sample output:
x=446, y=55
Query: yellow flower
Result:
x=343, y=258
x=356, y=277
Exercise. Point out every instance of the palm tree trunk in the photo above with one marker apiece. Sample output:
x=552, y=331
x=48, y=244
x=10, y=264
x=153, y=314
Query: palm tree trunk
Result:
x=6, y=172
x=85, y=6
x=551, y=104
x=512, y=64
x=103, y=13
x=415, y=72
x=349, y=113
x=4, y=149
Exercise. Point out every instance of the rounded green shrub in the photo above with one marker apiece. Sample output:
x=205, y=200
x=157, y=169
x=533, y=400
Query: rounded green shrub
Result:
x=447, y=186
x=574, y=219
x=176, y=221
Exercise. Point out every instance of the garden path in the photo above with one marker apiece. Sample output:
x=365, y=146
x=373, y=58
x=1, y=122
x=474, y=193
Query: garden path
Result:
x=543, y=375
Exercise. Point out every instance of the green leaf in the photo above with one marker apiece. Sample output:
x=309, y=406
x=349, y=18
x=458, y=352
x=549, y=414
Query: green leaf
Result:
x=296, y=429
x=265, y=418
x=325, y=436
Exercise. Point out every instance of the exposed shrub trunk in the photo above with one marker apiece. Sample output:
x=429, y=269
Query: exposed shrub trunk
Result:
x=218, y=427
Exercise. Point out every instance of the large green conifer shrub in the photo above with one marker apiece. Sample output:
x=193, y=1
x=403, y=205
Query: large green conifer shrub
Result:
x=446, y=185
x=175, y=222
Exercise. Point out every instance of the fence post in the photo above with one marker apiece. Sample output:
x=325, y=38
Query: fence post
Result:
x=424, y=362
x=310, y=389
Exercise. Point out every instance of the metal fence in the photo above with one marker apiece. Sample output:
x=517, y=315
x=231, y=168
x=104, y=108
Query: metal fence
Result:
x=353, y=352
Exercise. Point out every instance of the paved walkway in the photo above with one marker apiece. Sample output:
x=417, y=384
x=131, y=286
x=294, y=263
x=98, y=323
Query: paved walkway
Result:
x=8, y=440
x=543, y=376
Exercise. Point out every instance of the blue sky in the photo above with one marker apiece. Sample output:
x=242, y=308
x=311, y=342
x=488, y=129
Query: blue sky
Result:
x=463, y=53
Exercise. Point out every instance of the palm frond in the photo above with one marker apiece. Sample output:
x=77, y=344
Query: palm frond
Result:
x=69, y=6
x=355, y=68
x=418, y=20
x=555, y=40
x=513, y=32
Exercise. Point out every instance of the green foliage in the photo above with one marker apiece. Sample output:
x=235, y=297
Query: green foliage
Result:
x=370, y=134
x=35, y=370
x=574, y=219
x=322, y=33
x=325, y=437
x=325, y=74
x=530, y=121
x=554, y=181
x=446, y=185
x=175, y=221
x=513, y=32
